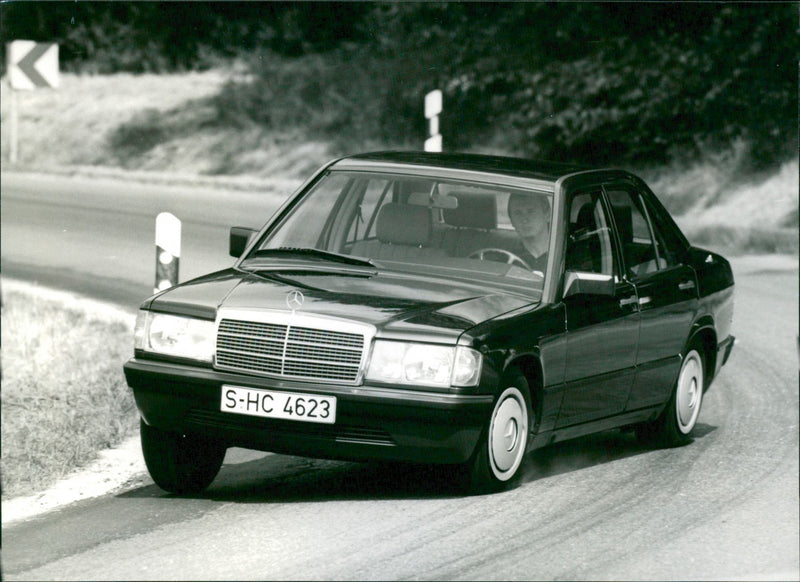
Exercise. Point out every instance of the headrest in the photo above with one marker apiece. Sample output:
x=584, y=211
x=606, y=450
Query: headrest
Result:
x=401, y=224
x=585, y=218
x=474, y=211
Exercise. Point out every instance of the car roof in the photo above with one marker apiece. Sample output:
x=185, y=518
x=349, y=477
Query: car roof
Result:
x=509, y=166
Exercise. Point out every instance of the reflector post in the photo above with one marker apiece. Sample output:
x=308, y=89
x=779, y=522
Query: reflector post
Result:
x=168, y=251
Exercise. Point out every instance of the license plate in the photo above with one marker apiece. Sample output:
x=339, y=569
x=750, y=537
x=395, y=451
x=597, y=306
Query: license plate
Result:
x=274, y=404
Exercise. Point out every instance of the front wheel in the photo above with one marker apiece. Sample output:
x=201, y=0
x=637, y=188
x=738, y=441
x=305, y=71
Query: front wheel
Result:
x=501, y=450
x=180, y=463
x=679, y=418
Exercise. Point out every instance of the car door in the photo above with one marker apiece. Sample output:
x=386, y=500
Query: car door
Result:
x=602, y=330
x=666, y=290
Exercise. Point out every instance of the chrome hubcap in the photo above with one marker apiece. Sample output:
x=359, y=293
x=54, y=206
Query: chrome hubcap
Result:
x=508, y=434
x=690, y=392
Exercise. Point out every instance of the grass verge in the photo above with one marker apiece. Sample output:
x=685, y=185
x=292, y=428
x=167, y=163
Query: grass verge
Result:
x=64, y=396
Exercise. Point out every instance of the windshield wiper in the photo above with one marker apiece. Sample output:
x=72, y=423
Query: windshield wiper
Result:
x=314, y=253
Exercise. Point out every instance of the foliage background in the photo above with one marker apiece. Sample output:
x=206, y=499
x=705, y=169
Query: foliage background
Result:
x=616, y=83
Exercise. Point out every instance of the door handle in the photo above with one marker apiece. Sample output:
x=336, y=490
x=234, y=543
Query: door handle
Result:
x=686, y=285
x=632, y=300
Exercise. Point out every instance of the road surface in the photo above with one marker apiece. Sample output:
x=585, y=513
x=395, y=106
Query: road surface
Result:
x=97, y=236
x=601, y=507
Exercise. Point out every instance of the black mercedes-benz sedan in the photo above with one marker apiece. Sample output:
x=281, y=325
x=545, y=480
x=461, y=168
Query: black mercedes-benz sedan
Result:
x=436, y=308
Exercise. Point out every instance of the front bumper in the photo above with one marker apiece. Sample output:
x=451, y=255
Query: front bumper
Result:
x=372, y=422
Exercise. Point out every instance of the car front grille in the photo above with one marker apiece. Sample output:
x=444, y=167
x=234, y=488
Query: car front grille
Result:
x=293, y=347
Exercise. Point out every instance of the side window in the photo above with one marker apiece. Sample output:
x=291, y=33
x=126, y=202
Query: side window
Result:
x=667, y=242
x=590, y=246
x=638, y=244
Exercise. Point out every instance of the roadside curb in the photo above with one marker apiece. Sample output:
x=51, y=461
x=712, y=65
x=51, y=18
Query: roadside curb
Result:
x=114, y=469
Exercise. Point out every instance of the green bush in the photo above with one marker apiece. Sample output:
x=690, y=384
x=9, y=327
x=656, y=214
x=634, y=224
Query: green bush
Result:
x=139, y=135
x=604, y=83
x=615, y=83
x=610, y=84
x=326, y=97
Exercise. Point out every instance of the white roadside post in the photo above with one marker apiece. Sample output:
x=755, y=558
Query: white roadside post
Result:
x=168, y=251
x=433, y=107
x=30, y=65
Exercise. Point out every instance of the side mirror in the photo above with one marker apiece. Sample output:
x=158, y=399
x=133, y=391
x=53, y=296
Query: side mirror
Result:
x=580, y=283
x=238, y=240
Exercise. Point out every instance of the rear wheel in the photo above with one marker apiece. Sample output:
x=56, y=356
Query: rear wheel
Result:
x=500, y=453
x=180, y=463
x=674, y=426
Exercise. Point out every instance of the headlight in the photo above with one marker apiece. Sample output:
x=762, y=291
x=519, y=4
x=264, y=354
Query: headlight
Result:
x=172, y=335
x=424, y=364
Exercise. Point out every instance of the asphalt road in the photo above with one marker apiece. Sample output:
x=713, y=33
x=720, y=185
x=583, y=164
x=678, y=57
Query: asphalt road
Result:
x=98, y=236
x=601, y=507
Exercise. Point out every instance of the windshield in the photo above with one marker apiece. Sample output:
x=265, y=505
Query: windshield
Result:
x=419, y=224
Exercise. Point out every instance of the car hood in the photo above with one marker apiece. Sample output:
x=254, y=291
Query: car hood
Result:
x=398, y=305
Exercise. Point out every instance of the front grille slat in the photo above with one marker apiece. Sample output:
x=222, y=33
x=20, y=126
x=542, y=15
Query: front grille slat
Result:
x=247, y=345
x=288, y=351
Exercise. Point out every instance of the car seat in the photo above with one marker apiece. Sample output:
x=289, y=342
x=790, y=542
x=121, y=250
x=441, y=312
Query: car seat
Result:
x=403, y=231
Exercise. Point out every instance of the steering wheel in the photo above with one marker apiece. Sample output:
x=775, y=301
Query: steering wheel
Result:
x=510, y=258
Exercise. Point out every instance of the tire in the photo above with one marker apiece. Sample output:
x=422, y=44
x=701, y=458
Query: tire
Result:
x=500, y=454
x=674, y=426
x=180, y=463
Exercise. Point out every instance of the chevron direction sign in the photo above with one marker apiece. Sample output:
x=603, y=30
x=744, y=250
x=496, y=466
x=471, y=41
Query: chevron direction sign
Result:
x=32, y=64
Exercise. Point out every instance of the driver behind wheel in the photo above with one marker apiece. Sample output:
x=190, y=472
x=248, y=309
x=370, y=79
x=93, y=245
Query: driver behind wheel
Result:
x=530, y=217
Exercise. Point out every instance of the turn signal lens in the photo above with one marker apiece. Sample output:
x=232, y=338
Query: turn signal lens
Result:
x=467, y=368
